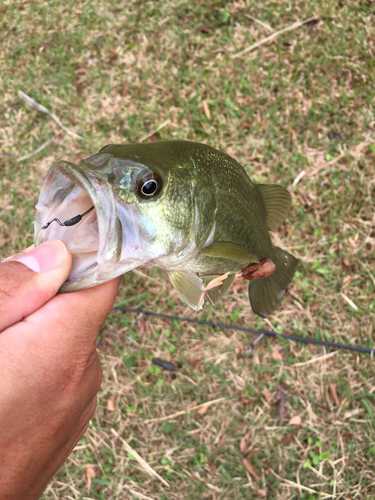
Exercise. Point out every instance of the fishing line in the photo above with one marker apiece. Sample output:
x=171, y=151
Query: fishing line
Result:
x=248, y=330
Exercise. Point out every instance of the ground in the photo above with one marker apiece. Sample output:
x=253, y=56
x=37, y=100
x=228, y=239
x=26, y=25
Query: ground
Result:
x=298, y=111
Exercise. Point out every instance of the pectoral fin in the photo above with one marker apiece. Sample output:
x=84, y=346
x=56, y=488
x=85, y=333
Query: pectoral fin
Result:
x=277, y=202
x=188, y=286
x=228, y=250
x=216, y=294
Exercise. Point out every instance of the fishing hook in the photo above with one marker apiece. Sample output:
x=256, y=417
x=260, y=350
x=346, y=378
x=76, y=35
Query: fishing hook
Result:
x=70, y=222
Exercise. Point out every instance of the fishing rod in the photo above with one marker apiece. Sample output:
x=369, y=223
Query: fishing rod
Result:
x=248, y=330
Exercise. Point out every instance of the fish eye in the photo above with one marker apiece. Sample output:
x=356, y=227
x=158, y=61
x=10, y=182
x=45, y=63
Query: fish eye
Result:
x=149, y=185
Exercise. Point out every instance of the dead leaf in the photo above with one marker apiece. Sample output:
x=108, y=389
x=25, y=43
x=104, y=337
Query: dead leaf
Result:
x=333, y=394
x=245, y=125
x=216, y=282
x=81, y=71
x=112, y=56
x=250, y=468
x=206, y=110
x=266, y=394
x=281, y=399
x=90, y=474
x=124, y=89
x=202, y=410
x=238, y=352
x=245, y=440
x=78, y=12
x=276, y=355
x=346, y=263
x=348, y=82
x=250, y=455
x=282, y=410
x=262, y=493
x=111, y=403
x=246, y=401
x=288, y=438
x=193, y=362
x=347, y=280
x=153, y=138
x=296, y=420
x=268, y=54
x=259, y=271
x=200, y=301
x=206, y=29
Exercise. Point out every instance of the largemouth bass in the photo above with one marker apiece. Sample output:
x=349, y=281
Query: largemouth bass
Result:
x=180, y=206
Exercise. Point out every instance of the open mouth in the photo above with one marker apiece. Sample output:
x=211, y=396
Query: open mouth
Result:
x=78, y=208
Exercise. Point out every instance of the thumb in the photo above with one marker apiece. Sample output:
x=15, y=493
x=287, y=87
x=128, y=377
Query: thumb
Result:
x=28, y=281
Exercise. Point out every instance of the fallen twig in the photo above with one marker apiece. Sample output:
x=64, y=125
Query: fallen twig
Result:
x=196, y=476
x=33, y=104
x=137, y=494
x=259, y=22
x=139, y=459
x=298, y=24
x=162, y=125
x=296, y=485
x=45, y=144
x=299, y=177
x=349, y=301
x=184, y=412
x=315, y=360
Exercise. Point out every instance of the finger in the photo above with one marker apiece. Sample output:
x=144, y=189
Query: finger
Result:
x=31, y=280
x=77, y=315
x=24, y=251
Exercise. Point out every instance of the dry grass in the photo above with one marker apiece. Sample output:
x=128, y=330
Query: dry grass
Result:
x=304, y=103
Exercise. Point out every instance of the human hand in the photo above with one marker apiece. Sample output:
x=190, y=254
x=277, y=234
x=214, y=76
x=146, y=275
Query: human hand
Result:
x=49, y=369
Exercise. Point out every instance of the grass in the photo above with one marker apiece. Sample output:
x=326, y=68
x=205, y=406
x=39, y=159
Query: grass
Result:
x=114, y=73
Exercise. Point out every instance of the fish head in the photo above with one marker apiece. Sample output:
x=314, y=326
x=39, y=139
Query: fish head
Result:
x=145, y=212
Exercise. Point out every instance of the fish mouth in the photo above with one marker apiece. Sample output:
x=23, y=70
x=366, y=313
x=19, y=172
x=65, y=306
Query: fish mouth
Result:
x=95, y=241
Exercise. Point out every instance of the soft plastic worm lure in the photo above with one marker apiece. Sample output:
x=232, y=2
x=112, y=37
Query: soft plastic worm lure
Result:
x=70, y=222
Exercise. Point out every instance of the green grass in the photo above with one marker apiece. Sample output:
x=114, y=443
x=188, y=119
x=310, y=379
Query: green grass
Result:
x=303, y=102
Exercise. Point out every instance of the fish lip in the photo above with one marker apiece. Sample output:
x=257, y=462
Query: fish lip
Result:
x=105, y=206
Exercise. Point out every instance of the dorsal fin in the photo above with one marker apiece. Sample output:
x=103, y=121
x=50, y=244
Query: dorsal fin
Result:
x=277, y=202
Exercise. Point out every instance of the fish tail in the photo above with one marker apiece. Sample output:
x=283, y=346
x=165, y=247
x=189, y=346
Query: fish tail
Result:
x=265, y=295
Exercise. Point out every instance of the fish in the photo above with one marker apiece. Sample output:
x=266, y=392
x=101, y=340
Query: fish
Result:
x=180, y=206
